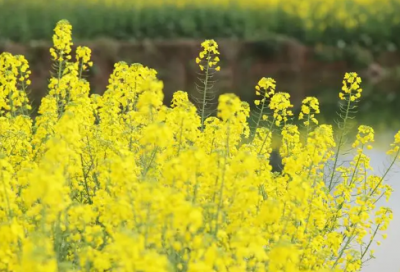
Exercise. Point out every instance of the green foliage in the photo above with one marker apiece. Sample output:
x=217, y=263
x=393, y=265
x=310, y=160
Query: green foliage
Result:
x=25, y=20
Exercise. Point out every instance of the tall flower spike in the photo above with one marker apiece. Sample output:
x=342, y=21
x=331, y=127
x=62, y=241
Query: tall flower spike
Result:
x=350, y=94
x=209, y=56
x=351, y=87
x=265, y=89
x=208, y=62
x=62, y=40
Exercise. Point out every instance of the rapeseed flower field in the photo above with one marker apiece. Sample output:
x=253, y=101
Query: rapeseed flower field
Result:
x=370, y=23
x=121, y=182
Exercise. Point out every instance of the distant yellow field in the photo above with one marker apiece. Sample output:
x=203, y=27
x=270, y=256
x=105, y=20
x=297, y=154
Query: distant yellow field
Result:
x=375, y=20
x=318, y=13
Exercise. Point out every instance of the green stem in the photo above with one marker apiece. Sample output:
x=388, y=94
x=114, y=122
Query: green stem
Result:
x=203, y=115
x=258, y=120
x=153, y=155
x=80, y=69
x=58, y=97
x=308, y=128
x=344, y=248
x=85, y=181
x=351, y=181
x=370, y=242
x=339, y=145
x=386, y=172
x=266, y=136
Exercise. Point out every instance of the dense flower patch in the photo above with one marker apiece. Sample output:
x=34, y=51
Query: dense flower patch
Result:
x=121, y=182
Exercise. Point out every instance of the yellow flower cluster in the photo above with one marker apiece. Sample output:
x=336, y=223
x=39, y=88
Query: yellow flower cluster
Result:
x=121, y=182
x=266, y=87
x=209, y=54
x=14, y=79
x=351, y=87
x=83, y=54
x=309, y=107
x=280, y=104
x=365, y=135
x=62, y=41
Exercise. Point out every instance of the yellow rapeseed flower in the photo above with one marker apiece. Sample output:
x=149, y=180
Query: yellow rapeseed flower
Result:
x=122, y=182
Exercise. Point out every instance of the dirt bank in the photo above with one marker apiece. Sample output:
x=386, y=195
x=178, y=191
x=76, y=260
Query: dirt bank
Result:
x=243, y=62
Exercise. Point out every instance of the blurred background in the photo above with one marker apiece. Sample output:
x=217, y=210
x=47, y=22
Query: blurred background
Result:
x=306, y=46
